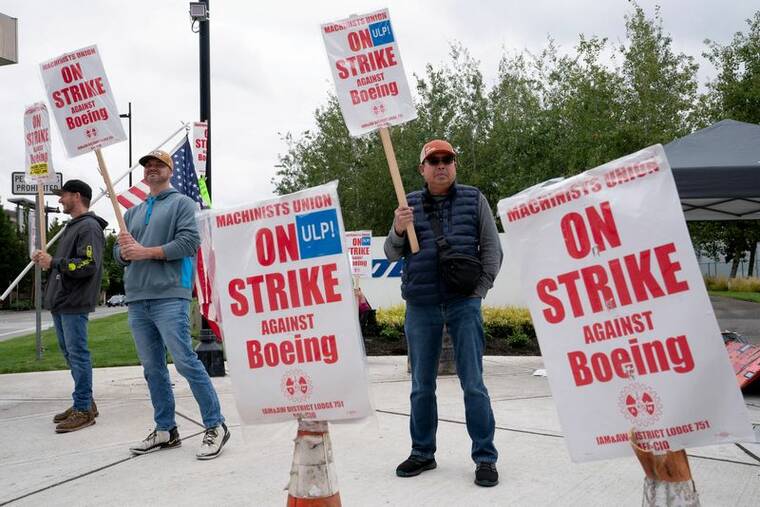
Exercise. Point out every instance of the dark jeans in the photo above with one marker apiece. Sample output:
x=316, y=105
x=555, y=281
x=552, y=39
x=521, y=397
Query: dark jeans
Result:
x=424, y=334
x=71, y=330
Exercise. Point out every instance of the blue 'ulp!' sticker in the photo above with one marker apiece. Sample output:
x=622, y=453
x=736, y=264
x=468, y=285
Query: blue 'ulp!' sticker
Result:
x=318, y=234
x=366, y=241
x=381, y=33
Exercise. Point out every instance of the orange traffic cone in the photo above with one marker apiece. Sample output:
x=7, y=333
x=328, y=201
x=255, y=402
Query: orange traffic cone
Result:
x=313, y=481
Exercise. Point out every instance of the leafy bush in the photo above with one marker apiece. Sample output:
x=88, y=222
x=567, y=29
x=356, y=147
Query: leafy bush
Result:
x=511, y=327
x=716, y=282
x=751, y=284
x=391, y=322
x=21, y=306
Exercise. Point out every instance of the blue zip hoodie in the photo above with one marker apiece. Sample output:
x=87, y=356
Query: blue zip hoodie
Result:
x=166, y=220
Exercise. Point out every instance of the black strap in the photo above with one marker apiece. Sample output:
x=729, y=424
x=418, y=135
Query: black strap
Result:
x=435, y=224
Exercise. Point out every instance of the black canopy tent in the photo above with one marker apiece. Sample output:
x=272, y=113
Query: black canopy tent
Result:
x=717, y=171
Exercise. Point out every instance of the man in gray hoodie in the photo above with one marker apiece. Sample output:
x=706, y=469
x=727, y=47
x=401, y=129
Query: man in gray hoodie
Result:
x=73, y=286
x=158, y=252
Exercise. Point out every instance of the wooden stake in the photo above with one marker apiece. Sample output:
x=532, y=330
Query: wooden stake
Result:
x=41, y=216
x=398, y=186
x=672, y=466
x=109, y=189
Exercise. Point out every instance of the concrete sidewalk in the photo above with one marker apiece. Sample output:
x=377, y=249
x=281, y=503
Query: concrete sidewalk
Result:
x=94, y=467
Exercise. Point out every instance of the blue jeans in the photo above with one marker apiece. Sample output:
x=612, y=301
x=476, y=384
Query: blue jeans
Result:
x=160, y=324
x=424, y=335
x=71, y=329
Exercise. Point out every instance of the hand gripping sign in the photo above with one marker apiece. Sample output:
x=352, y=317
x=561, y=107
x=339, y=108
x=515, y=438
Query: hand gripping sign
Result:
x=626, y=329
x=281, y=271
x=84, y=108
x=371, y=84
x=39, y=163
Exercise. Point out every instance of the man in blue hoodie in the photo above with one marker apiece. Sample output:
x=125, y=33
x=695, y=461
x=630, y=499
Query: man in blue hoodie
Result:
x=158, y=253
x=73, y=287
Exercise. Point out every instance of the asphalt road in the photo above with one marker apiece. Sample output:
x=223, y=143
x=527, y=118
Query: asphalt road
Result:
x=741, y=317
x=13, y=324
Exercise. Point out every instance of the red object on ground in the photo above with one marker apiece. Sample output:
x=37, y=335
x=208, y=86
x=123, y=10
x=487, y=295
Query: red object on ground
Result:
x=745, y=359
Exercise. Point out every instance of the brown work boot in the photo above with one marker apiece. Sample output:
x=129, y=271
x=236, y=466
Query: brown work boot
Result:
x=76, y=421
x=57, y=418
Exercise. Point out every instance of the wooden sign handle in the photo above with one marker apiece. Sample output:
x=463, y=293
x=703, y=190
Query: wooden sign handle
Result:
x=109, y=189
x=398, y=186
x=41, y=216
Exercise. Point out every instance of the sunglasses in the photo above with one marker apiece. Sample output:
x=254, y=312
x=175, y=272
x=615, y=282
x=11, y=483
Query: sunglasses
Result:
x=446, y=159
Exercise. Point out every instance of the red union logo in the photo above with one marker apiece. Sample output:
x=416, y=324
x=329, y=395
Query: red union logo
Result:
x=296, y=385
x=640, y=404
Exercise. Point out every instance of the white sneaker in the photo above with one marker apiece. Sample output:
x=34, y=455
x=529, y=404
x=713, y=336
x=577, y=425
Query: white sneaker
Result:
x=213, y=441
x=157, y=440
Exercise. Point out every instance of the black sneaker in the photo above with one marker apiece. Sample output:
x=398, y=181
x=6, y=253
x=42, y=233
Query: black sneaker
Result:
x=486, y=475
x=157, y=440
x=415, y=465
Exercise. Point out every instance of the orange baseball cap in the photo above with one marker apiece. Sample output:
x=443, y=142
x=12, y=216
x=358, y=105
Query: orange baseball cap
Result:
x=159, y=155
x=436, y=146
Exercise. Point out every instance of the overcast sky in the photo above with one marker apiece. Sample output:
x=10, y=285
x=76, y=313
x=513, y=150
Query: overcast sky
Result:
x=269, y=68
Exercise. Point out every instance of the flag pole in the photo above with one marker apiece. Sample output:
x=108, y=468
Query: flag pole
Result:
x=94, y=200
x=41, y=216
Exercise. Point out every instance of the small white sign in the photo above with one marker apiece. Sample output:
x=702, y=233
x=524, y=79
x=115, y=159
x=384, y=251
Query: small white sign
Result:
x=359, y=246
x=369, y=76
x=39, y=164
x=82, y=101
x=198, y=145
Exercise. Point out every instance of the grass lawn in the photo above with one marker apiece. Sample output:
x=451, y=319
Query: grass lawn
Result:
x=110, y=345
x=743, y=296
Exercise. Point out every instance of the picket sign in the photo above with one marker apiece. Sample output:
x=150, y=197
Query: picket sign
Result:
x=39, y=162
x=291, y=326
x=359, y=245
x=84, y=108
x=627, y=332
x=371, y=84
x=199, y=147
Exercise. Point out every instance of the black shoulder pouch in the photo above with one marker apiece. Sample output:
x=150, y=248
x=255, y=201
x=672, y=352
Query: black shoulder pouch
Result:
x=460, y=272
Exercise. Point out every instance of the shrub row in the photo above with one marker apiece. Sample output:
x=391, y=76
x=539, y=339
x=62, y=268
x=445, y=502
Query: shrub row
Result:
x=751, y=284
x=510, y=326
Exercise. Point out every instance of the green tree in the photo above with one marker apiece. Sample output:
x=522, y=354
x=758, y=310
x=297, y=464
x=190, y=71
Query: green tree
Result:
x=661, y=86
x=13, y=252
x=113, y=273
x=550, y=114
x=734, y=94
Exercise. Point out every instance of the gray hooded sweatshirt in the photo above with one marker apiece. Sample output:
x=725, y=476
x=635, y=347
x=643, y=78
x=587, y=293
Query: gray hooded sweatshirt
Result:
x=166, y=220
x=73, y=283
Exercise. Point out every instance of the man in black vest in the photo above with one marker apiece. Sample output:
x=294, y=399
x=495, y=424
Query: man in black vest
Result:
x=456, y=219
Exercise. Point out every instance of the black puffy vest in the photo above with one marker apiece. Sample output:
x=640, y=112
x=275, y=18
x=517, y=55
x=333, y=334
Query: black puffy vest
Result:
x=421, y=279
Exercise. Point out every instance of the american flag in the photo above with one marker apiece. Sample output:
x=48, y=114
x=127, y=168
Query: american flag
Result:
x=184, y=179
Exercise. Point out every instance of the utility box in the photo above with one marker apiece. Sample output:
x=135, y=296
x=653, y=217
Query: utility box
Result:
x=8, y=40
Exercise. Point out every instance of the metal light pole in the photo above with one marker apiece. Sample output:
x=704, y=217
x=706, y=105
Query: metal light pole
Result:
x=209, y=351
x=129, y=116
